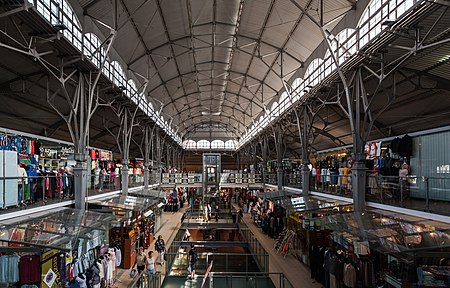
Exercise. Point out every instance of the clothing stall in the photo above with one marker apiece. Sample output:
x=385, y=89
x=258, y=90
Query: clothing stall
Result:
x=154, y=214
x=308, y=233
x=381, y=248
x=54, y=248
x=134, y=224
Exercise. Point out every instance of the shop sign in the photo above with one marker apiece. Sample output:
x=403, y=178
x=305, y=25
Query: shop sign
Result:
x=50, y=278
x=51, y=261
x=443, y=169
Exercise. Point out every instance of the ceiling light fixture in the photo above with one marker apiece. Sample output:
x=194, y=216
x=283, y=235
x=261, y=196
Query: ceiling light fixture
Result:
x=207, y=113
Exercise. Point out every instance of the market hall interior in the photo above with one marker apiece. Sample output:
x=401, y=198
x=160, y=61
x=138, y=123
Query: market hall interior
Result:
x=268, y=142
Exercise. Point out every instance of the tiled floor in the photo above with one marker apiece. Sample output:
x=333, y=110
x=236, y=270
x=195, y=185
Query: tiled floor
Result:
x=293, y=270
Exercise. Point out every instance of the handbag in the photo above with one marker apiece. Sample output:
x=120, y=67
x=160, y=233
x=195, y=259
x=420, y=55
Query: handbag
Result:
x=164, y=256
x=132, y=273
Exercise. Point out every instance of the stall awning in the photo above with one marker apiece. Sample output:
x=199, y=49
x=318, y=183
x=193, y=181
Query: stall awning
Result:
x=386, y=231
x=310, y=203
x=126, y=203
x=58, y=229
x=275, y=195
x=148, y=194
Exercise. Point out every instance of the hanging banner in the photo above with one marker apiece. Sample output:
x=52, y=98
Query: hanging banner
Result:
x=53, y=264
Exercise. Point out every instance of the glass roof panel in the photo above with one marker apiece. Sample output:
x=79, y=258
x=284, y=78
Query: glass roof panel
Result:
x=59, y=228
x=149, y=193
x=389, y=232
x=130, y=203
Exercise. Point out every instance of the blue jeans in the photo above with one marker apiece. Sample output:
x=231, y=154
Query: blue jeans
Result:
x=20, y=193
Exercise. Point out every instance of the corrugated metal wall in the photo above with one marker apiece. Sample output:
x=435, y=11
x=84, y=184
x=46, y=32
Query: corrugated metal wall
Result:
x=431, y=155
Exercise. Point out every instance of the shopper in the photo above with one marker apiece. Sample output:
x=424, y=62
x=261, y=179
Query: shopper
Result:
x=216, y=212
x=141, y=260
x=151, y=263
x=101, y=179
x=160, y=247
x=192, y=260
x=22, y=180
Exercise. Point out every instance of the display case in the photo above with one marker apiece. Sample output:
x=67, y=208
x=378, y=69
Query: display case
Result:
x=129, y=249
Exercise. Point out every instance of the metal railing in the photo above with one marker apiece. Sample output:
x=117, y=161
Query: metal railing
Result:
x=145, y=280
x=422, y=193
x=224, y=178
x=24, y=191
x=32, y=191
x=246, y=235
x=246, y=279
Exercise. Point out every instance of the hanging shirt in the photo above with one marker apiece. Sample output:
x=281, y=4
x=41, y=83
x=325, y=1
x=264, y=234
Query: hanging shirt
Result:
x=118, y=257
x=9, y=269
x=349, y=275
x=29, y=266
x=22, y=174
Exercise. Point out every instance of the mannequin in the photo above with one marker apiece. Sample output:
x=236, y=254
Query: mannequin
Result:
x=81, y=279
x=95, y=276
x=101, y=269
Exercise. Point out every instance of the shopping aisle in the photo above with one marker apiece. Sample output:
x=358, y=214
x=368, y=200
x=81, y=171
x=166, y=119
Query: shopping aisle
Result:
x=171, y=224
x=293, y=270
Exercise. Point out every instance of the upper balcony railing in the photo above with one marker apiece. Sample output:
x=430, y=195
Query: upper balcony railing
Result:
x=223, y=178
x=429, y=194
x=54, y=187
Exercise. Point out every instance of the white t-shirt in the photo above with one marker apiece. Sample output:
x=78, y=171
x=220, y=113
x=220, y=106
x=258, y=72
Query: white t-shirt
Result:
x=150, y=263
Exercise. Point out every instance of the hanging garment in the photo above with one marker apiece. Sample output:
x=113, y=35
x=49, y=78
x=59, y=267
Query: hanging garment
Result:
x=95, y=277
x=349, y=275
x=112, y=256
x=29, y=267
x=9, y=269
x=118, y=257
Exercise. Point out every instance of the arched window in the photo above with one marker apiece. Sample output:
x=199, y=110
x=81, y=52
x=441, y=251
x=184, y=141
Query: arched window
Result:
x=92, y=49
x=313, y=74
x=217, y=144
x=297, y=88
x=203, y=144
x=275, y=109
x=377, y=12
x=230, y=144
x=189, y=144
x=329, y=64
x=131, y=91
x=346, y=40
x=118, y=76
x=285, y=101
x=59, y=12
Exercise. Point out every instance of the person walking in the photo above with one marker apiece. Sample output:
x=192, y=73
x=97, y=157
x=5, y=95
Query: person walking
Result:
x=101, y=179
x=192, y=260
x=216, y=213
x=160, y=247
x=151, y=263
x=141, y=260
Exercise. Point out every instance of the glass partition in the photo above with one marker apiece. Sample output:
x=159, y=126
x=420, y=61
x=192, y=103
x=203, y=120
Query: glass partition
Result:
x=61, y=229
